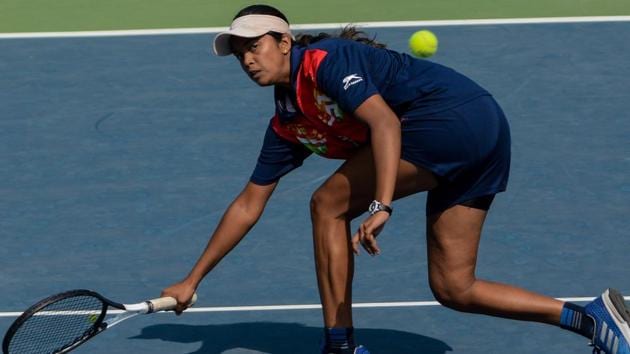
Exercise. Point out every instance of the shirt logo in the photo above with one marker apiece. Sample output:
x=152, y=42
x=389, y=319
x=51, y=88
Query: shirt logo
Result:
x=351, y=80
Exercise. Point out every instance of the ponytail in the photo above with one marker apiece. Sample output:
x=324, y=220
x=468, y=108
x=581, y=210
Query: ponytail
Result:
x=349, y=32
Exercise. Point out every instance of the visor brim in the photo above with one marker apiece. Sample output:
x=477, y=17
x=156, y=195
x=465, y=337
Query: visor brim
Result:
x=221, y=43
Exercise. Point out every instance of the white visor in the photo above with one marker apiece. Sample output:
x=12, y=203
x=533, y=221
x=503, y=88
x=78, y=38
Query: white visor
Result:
x=248, y=26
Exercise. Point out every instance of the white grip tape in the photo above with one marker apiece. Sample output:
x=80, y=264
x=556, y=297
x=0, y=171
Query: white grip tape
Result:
x=167, y=303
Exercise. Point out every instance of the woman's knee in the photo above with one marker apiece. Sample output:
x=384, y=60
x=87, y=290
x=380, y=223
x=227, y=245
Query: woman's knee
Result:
x=327, y=202
x=452, y=291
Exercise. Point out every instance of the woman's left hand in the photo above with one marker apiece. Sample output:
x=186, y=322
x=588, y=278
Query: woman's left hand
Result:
x=366, y=235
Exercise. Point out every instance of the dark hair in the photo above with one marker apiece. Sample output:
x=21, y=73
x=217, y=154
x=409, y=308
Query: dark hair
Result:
x=348, y=32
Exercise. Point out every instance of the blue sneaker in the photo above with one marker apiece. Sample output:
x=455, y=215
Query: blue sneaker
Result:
x=361, y=350
x=357, y=350
x=612, y=319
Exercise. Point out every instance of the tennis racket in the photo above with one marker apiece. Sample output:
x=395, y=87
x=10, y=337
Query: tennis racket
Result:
x=60, y=323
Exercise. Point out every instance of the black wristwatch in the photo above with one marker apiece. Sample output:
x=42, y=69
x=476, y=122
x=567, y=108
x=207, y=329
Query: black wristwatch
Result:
x=377, y=206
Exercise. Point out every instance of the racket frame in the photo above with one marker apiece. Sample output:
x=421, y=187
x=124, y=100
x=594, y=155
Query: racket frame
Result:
x=99, y=325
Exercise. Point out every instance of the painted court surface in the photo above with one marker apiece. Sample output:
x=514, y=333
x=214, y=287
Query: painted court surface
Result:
x=119, y=155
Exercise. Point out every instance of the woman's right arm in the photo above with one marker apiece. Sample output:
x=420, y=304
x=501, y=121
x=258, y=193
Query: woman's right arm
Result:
x=238, y=219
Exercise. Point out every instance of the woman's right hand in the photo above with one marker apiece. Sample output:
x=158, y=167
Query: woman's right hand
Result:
x=182, y=292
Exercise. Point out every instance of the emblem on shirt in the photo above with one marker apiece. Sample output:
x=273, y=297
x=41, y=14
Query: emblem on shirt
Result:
x=311, y=139
x=329, y=111
x=351, y=80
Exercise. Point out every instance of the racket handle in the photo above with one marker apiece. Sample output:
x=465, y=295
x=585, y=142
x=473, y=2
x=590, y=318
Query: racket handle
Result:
x=167, y=303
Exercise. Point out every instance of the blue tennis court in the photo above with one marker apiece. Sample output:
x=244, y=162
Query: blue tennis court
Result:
x=119, y=155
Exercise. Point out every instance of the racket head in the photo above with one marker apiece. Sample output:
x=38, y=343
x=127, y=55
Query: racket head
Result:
x=58, y=323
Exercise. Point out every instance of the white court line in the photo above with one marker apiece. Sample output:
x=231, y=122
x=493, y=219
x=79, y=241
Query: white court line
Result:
x=175, y=31
x=314, y=306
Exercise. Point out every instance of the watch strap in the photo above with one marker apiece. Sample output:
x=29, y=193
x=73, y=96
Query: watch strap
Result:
x=377, y=206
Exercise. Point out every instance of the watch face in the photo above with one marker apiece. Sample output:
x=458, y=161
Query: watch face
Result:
x=377, y=206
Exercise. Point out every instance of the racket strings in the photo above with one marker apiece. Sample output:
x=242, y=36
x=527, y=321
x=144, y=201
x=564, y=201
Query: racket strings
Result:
x=57, y=325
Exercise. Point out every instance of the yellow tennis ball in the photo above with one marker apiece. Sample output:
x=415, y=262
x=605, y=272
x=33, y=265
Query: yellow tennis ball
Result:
x=423, y=43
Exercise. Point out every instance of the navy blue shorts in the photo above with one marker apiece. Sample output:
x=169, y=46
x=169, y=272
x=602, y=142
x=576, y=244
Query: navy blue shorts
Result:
x=466, y=147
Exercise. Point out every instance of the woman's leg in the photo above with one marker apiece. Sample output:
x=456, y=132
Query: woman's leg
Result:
x=344, y=196
x=452, y=243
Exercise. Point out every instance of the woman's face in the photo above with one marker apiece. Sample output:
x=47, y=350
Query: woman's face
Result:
x=264, y=59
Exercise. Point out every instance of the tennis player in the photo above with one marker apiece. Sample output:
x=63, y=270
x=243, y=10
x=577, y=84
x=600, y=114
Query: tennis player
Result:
x=403, y=126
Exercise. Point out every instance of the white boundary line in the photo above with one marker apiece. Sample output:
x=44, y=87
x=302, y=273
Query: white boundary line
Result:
x=176, y=31
x=317, y=306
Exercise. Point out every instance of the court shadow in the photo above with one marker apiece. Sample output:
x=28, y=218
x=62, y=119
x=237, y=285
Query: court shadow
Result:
x=286, y=338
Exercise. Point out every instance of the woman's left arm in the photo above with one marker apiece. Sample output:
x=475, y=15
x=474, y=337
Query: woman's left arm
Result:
x=385, y=141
